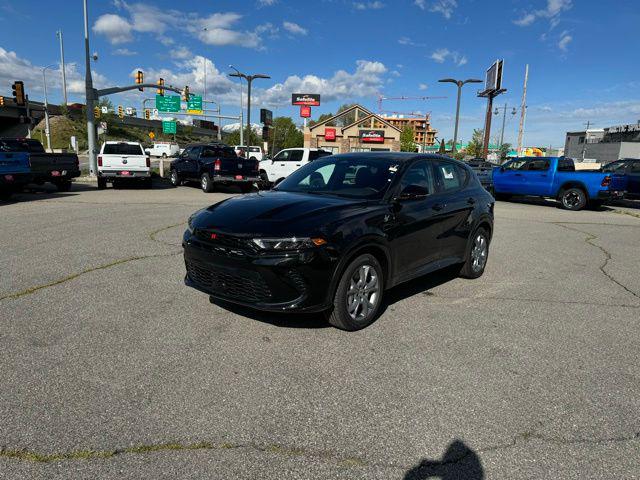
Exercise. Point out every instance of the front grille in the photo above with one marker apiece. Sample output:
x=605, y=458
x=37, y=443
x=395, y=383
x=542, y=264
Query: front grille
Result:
x=297, y=280
x=251, y=288
x=224, y=242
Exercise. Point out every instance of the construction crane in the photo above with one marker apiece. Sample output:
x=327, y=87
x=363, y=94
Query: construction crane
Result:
x=382, y=97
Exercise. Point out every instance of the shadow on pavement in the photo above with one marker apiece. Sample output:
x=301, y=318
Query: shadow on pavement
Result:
x=459, y=462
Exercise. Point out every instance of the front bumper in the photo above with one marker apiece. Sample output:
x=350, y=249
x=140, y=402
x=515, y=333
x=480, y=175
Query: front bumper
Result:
x=293, y=281
x=131, y=174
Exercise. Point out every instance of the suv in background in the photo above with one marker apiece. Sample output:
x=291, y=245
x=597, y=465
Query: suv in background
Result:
x=123, y=162
x=286, y=162
x=211, y=164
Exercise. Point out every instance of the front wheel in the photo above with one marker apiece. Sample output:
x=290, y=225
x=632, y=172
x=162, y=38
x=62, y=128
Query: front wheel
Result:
x=477, y=255
x=102, y=183
x=205, y=183
x=358, y=296
x=174, y=178
x=501, y=196
x=573, y=199
x=5, y=194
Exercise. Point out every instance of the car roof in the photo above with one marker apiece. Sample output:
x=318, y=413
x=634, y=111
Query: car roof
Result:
x=117, y=142
x=208, y=144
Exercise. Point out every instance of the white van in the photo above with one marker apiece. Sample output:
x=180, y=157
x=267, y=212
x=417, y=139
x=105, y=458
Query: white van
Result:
x=163, y=149
x=252, y=153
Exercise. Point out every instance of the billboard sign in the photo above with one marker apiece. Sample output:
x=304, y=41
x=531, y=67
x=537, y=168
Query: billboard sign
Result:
x=194, y=105
x=371, y=136
x=330, y=134
x=308, y=99
x=493, y=79
x=305, y=112
x=266, y=116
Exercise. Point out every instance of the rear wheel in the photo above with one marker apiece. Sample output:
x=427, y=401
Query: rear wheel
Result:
x=205, y=183
x=264, y=181
x=63, y=186
x=174, y=178
x=358, y=296
x=102, y=183
x=477, y=255
x=573, y=198
x=148, y=183
x=164, y=155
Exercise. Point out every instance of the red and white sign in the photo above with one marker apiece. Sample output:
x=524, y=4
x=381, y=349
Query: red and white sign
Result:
x=305, y=111
x=330, y=134
x=372, y=136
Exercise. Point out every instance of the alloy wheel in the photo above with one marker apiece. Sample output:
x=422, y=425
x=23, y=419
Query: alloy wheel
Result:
x=204, y=182
x=364, y=292
x=571, y=199
x=479, y=253
x=174, y=177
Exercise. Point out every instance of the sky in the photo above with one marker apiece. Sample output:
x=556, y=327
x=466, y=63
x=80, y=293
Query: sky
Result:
x=582, y=54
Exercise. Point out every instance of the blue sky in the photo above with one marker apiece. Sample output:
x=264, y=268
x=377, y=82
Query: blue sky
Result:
x=583, y=54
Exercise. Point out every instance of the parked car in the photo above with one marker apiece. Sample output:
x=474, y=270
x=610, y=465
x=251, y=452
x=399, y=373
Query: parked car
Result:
x=213, y=164
x=484, y=172
x=338, y=232
x=163, y=149
x=15, y=172
x=56, y=168
x=241, y=151
x=625, y=176
x=123, y=162
x=553, y=177
x=286, y=162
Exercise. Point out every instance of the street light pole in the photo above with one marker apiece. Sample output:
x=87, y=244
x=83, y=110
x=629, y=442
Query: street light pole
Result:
x=64, y=73
x=249, y=79
x=239, y=75
x=459, y=84
x=91, y=130
x=47, y=127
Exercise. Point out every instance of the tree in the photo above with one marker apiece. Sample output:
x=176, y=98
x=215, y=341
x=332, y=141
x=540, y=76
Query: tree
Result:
x=505, y=148
x=284, y=134
x=406, y=140
x=250, y=137
x=475, y=146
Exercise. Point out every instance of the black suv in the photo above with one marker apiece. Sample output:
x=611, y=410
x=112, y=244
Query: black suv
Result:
x=338, y=232
x=213, y=163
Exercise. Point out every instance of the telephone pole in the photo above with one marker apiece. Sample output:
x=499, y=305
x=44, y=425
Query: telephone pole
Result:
x=586, y=137
x=523, y=110
x=91, y=128
x=64, y=74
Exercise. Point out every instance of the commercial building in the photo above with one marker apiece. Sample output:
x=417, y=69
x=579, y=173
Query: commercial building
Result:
x=424, y=134
x=353, y=130
x=604, y=145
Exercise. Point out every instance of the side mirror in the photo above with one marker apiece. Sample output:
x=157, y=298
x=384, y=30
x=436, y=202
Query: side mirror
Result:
x=413, y=192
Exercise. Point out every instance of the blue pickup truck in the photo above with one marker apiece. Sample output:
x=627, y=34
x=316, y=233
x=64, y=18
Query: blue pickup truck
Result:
x=554, y=177
x=625, y=176
x=15, y=173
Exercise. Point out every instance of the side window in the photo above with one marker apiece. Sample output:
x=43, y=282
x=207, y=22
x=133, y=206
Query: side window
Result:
x=296, y=156
x=566, y=166
x=450, y=176
x=635, y=167
x=194, y=153
x=537, y=165
x=282, y=156
x=186, y=152
x=418, y=179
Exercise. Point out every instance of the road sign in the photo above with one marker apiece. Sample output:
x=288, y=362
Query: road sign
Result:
x=308, y=99
x=104, y=109
x=194, y=105
x=305, y=112
x=169, y=126
x=152, y=135
x=169, y=103
x=129, y=111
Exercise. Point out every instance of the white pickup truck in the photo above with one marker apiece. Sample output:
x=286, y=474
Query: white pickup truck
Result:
x=286, y=162
x=123, y=162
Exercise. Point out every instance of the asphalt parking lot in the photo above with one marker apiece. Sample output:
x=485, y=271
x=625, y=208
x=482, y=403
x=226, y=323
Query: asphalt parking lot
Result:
x=111, y=367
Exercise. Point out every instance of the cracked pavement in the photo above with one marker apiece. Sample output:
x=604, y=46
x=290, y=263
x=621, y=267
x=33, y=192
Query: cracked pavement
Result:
x=112, y=368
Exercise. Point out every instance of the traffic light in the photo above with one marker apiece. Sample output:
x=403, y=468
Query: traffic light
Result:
x=18, y=93
x=140, y=79
x=96, y=112
x=147, y=113
x=120, y=111
x=160, y=90
x=1, y=101
x=186, y=93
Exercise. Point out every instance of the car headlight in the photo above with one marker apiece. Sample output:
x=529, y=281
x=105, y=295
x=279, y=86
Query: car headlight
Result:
x=292, y=243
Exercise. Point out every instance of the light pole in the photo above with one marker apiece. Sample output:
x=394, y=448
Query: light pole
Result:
x=64, y=74
x=47, y=128
x=88, y=81
x=504, y=118
x=459, y=84
x=241, y=107
x=249, y=79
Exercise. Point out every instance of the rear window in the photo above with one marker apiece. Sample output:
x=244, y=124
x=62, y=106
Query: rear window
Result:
x=314, y=155
x=122, y=149
x=254, y=149
x=218, y=152
x=18, y=145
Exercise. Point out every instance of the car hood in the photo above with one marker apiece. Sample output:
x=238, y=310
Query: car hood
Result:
x=275, y=213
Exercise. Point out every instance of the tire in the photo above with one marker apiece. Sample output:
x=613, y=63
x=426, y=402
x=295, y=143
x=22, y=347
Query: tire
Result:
x=501, y=196
x=362, y=271
x=573, y=199
x=174, y=178
x=264, y=182
x=246, y=187
x=205, y=183
x=102, y=183
x=477, y=254
x=63, y=186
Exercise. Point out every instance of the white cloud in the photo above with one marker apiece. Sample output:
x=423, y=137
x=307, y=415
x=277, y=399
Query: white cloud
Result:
x=181, y=53
x=377, y=5
x=266, y=3
x=420, y=4
x=423, y=86
x=442, y=54
x=551, y=12
x=114, y=27
x=294, y=28
x=216, y=29
x=444, y=7
x=408, y=41
x=124, y=52
x=565, y=39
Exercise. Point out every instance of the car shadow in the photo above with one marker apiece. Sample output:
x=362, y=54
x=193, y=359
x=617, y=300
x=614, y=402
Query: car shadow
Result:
x=459, y=462
x=627, y=203
x=543, y=202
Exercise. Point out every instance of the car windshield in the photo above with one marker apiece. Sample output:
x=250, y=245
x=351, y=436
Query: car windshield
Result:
x=361, y=177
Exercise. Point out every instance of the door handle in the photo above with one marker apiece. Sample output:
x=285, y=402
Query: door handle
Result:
x=438, y=206
x=282, y=164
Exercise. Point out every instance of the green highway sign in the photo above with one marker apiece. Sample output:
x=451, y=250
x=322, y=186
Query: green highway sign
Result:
x=170, y=103
x=194, y=105
x=169, y=126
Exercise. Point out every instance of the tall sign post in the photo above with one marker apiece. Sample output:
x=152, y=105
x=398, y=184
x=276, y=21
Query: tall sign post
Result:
x=492, y=88
x=305, y=101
